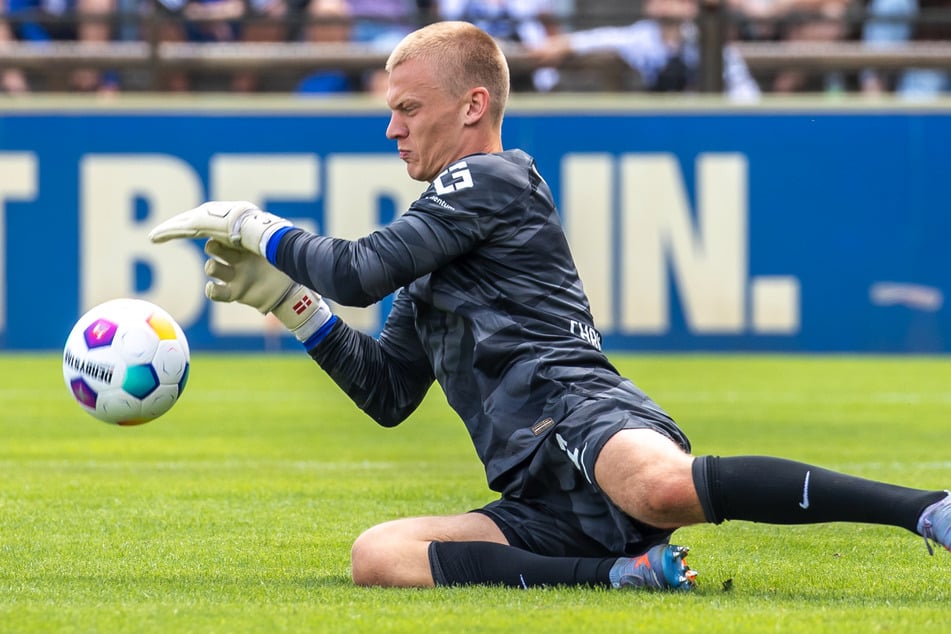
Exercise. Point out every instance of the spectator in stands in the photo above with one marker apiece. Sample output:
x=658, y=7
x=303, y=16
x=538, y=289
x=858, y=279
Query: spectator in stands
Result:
x=41, y=21
x=12, y=80
x=662, y=47
x=889, y=24
x=223, y=21
x=193, y=21
x=267, y=21
x=796, y=21
x=530, y=23
x=378, y=24
x=381, y=24
x=892, y=23
x=330, y=21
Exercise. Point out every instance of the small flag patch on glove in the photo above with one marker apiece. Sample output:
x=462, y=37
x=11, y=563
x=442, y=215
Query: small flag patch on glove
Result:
x=302, y=305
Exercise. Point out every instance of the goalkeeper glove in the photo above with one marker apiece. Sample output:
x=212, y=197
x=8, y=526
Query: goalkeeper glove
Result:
x=240, y=224
x=239, y=276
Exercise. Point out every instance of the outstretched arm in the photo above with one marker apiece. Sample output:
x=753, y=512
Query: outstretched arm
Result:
x=386, y=378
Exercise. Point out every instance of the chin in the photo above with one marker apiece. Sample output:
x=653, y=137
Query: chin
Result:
x=416, y=175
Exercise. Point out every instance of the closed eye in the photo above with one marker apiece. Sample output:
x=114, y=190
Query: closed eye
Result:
x=406, y=108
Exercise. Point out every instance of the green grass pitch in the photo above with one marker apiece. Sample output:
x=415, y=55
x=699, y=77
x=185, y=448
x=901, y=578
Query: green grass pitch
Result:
x=235, y=511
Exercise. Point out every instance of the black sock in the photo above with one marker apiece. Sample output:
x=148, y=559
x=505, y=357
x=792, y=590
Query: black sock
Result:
x=468, y=563
x=778, y=491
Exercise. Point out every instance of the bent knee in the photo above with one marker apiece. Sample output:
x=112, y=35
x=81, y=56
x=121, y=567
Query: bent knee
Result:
x=649, y=477
x=386, y=556
x=396, y=553
x=369, y=558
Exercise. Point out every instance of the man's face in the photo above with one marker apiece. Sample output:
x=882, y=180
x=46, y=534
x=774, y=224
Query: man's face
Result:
x=426, y=122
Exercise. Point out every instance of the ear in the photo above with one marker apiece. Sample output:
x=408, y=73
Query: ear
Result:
x=477, y=105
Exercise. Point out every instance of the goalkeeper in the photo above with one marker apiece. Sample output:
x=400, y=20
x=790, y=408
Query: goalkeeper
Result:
x=593, y=476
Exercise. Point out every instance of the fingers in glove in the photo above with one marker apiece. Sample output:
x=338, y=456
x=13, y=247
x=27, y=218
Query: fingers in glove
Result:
x=219, y=265
x=218, y=292
x=224, y=252
x=219, y=270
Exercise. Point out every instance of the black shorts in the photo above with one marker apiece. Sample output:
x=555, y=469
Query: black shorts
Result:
x=558, y=510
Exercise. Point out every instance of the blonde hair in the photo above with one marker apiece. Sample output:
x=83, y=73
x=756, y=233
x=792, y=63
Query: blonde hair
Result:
x=466, y=56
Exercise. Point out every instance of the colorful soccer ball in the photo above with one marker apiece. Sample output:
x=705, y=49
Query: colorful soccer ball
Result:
x=126, y=361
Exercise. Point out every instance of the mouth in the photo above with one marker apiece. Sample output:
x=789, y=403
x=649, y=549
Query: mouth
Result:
x=404, y=154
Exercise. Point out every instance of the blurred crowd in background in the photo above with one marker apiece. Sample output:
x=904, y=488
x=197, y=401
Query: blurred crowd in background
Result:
x=658, y=40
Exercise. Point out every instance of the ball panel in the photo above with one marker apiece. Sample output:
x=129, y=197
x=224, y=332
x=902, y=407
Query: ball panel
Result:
x=170, y=361
x=163, y=326
x=132, y=422
x=159, y=402
x=100, y=333
x=136, y=343
x=115, y=405
x=85, y=395
x=140, y=380
x=181, y=384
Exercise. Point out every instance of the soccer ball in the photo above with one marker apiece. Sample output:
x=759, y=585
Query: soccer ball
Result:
x=126, y=361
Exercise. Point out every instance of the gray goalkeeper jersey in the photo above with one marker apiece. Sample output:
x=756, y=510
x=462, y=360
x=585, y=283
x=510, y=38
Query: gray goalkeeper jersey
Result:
x=490, y=306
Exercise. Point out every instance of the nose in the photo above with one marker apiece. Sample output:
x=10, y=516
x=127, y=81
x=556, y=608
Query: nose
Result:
x=395, y=129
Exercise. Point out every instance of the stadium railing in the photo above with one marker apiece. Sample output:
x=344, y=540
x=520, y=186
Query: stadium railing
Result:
x=611, y=74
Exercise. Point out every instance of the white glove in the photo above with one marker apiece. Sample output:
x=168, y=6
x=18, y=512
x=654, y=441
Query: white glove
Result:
x=240, y=276
x=232, y=222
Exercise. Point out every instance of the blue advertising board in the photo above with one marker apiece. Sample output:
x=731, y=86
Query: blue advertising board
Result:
x=814, y=228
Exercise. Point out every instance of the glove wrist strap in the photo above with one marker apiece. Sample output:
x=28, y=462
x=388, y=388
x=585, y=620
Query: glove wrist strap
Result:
x=304, y=313
x=268, y=234
x=254, y=228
